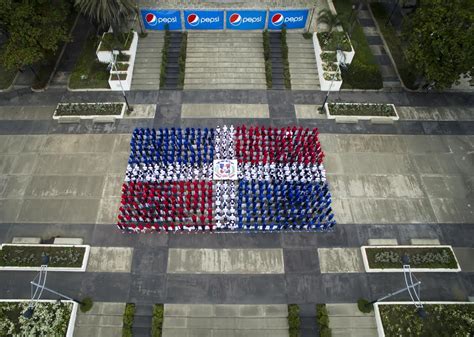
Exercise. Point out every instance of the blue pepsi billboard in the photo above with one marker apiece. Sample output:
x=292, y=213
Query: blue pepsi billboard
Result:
x=291, y=19
x=157, y=19
x=203, y=19
x=245, y=20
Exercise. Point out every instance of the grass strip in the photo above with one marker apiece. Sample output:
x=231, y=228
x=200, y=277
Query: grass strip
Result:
x=266, y=56
x=88, y=72
x=128, y=318
x=430, y=257
x=363, y=72
x=294, y=322
x=441, y=320
x=322, y=318
x=157, y=320
x=85, y=109
x=406, y=71
x=30, y=256
x=361, y=109
x=286, y=63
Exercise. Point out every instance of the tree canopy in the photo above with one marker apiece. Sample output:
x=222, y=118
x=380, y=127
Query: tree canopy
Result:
x=33, y=29
x=107, y=13
x=440, y=40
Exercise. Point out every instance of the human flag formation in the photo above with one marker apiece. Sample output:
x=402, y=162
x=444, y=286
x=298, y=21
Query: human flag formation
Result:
x=225, y=179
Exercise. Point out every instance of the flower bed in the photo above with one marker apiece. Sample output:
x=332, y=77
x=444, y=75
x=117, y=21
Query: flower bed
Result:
x=361, y=110
x=89, y=110
x=28, y=257
x=50, y=318
x=422, y=258
x=442, y=319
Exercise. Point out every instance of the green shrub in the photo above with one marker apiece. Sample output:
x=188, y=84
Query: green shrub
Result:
x=308, y=35
x=286, y=64
x=322, y=318
x=164, y=57
x=266, y=56
x=128, y=317
x=86, y=304
x=121, y=41
x=364, y=306
x=362, y=75
x=431, y=257
x=331, y=41
x=294, y=320
x=182, y=59
x=157, y=320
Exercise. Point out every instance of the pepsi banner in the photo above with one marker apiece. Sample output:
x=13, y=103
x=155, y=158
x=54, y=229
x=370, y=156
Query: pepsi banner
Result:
x=246, y=20
x=157, y=19
x=203, y=19
x=291, y=19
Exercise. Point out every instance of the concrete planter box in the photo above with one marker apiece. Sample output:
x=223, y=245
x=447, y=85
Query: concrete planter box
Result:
x=55, y=116
x=361, y=117
x=326, y=84
x=82, y=268
x=368, y=269
x=378, y=318
x=72, y=318
x=106, y=56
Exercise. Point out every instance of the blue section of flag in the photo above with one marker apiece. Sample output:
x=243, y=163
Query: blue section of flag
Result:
x=282, y=205
x=158, y=19
x=175, y=145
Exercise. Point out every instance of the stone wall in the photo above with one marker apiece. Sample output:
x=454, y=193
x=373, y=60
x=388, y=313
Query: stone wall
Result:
x=231, y=4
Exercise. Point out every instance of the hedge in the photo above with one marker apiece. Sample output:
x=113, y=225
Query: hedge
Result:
x=322, y=318
x=362, y=75
x=294, y=322
x=266, y=57
x=182, y=59
x=157, y=320
x=128, y=317
x=164, y=57
x=286, y=63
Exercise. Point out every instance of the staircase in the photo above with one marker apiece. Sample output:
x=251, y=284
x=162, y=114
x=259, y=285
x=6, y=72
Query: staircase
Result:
x=278, y=80
x=172, y=64
x=303, y=69
x=142, y=321
x=345, y=320
x=146, y=72
x=225, y=60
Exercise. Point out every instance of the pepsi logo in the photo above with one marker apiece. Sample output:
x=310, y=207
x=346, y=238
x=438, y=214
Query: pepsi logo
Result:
x=277, y=19
x=150, y=19
x=235, y=19
x=193, y=19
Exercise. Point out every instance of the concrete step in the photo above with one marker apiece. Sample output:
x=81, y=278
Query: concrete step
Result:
x=234, y=70
x=306, y=81
x=106, y=308
x=305, y=86
x=225, y=81
x=225, y=75
x=146, y=76
x=145, y=59
x=89, y=331
x=223, y=333
x=303, y=70
x=350, y=322
x=224, y=64
x=152, y=70
x=224, y=44
x=343, y=332
x=226, y=86
x=301, y=76
x=136, y=86
x=230, y=323
x=99, y=320
x=238, y=50
x=346, y=309
x=224, y=58
x=152, y=50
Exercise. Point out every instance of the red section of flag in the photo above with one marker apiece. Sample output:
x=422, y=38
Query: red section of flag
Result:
x=167, y=206
x=274, y=145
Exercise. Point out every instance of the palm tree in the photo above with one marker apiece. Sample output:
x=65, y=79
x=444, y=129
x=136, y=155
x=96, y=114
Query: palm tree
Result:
x=108, y=13
x=331, y=20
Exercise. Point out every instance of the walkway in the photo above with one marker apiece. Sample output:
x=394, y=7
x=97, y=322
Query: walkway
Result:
x=105, y=319
x=146, y=71
x=389, y=75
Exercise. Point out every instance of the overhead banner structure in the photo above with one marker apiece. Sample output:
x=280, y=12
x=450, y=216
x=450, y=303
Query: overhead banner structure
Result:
x=199, y=19
x=158, y=19
x=290, y=19
x=245, y=20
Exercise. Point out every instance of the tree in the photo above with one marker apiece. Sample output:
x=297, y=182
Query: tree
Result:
x=440, y=41
x=327, y=17
x=34, y=29
x=108, y=13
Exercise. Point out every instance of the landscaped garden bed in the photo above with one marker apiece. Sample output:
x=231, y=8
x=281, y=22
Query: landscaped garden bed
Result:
x=442, y=319
x=29, y=256
x=294, y=322
x=50, y=318
x=361, y=110
x=128, y=318
x=157, y=320
x=421, y=258
x=89, y=110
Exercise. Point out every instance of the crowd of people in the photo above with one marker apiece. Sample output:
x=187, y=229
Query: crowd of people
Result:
x=281, y=181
